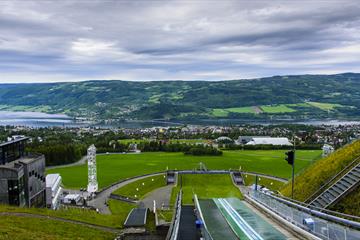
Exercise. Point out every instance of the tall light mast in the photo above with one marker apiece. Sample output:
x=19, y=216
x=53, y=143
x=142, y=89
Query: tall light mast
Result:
x=92, y=179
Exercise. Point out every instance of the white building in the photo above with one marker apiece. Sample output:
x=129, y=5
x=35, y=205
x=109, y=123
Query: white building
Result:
x=327, y=150
x=72, y=199
x=282, y=141
x=53, y=190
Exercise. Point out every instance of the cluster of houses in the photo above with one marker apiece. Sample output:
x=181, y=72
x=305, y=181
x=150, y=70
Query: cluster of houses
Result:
x=335, y=135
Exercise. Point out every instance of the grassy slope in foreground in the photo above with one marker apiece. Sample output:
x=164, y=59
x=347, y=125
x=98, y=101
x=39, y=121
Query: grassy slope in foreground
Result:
x=140, y=188
x=112, y=168
x=77, y=214
x=120, y=209
x=309, y=181
x=205, y=186
x=14, y=227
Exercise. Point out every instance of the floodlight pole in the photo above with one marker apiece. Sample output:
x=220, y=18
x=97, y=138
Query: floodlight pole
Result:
x=293, y=172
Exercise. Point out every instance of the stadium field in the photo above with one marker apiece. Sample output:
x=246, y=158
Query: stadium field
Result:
x=115, y=167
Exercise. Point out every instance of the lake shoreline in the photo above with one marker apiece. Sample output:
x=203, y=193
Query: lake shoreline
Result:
x=40, y=119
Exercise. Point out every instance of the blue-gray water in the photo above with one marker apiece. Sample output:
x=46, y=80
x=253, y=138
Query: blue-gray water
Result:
x=36, y=119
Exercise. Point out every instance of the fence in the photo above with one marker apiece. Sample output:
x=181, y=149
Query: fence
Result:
x=322, y=225
x=174, y=227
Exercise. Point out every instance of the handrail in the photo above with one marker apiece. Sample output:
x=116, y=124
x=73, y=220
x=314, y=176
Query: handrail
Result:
x=328, y=183
x=335, y=219
x=337, y=198
x=173, y=230
x=343, y=215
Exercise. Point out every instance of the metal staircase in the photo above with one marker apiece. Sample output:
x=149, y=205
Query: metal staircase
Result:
x=339, y=189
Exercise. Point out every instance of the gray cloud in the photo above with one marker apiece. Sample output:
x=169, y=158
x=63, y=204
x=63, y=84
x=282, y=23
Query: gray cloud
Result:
x=161, y=40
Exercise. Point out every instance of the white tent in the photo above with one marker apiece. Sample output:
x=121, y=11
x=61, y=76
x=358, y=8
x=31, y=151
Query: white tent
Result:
x=270, y=141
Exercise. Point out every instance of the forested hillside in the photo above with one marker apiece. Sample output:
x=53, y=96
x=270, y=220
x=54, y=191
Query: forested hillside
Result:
x=278, y=97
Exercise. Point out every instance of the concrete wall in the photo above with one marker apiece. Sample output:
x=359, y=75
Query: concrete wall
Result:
x=5, y=175
x=35, y=182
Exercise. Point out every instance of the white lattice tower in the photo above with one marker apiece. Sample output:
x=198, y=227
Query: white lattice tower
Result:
x=92, y=179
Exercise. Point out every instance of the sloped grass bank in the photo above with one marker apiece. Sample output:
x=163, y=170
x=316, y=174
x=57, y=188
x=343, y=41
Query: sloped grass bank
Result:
x=15, y=227
x=77, y=214
x=317, y=174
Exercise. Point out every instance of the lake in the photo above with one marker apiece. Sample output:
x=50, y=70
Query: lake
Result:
x=37, y=119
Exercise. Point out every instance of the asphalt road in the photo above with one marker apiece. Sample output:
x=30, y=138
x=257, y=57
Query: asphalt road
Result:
x=101, y=198
x=161, y=196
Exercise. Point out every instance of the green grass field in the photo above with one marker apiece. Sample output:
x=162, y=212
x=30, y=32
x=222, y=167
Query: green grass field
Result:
x=324, y=106
x=282, y=108
x=140, y=188
x=240, y=110
x=218, y=112
x=189, y=141
x=275, y=109
x=268, y=183
x=42, y=108
x=205, y=186
x=224, y=112
x=127, y=141
x=15, y=227
x=115, y=167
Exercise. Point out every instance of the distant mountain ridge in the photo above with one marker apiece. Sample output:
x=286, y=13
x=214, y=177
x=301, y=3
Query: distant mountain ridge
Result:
x=279, y=97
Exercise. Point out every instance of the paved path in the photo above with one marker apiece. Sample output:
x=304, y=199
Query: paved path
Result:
x=161, y=196
x=83, y=160
x=80, y=162
x=33, y=215
x=103, y=196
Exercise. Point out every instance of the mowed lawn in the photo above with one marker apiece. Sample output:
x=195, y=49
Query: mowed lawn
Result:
x=205, y=186
x=140, y=188
x=114, y=167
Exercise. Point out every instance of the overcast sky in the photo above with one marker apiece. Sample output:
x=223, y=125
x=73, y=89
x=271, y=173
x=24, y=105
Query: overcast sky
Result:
x=48, y=41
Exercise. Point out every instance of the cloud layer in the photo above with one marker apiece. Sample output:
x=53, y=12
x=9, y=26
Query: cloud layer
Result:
x=47, y=41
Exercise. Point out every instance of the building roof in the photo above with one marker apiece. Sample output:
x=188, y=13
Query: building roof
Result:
x=224, y=138
x=51, y=179
x=13, y=141
x=270, y=141
x=20, y=162
x=72, y=196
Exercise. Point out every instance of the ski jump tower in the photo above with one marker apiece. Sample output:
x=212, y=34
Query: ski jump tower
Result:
x=92, y=179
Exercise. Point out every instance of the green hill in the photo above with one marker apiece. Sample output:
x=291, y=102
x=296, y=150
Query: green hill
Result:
x=291, y=97
x=319, y=173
